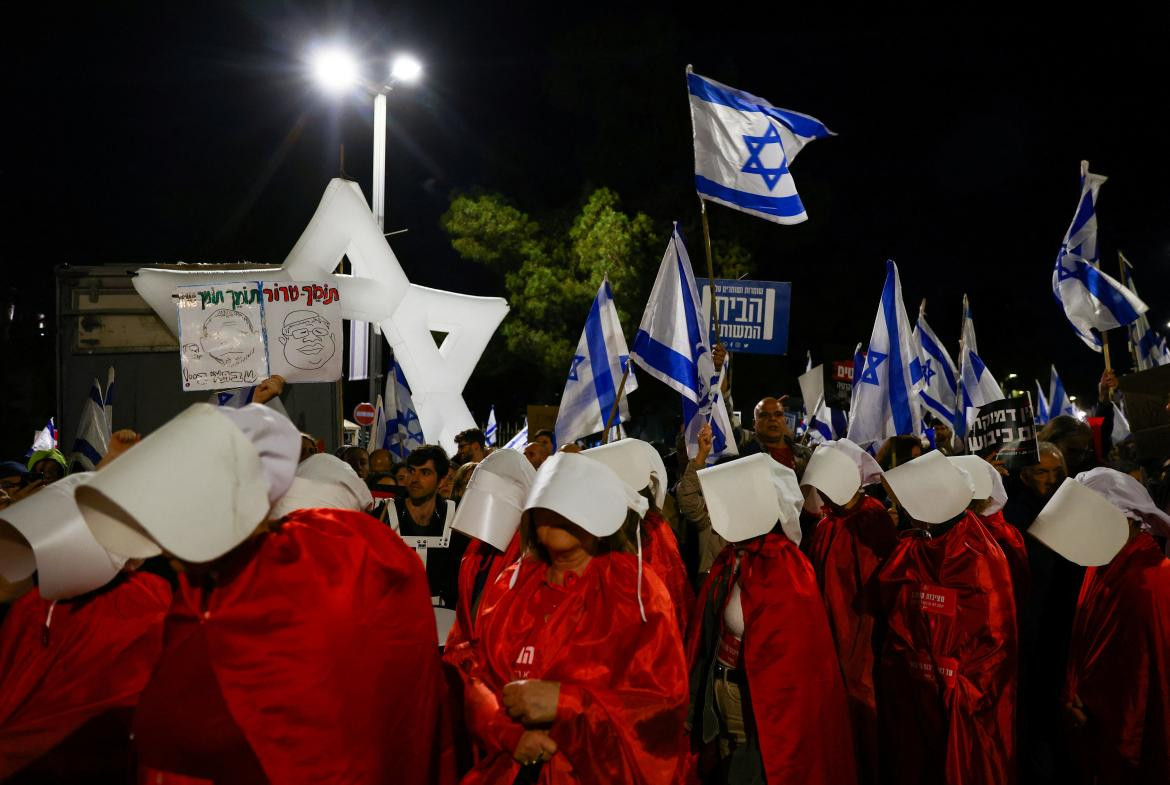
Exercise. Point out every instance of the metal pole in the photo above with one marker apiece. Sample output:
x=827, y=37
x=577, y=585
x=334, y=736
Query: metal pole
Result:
x=710, y=268
x=378, y=204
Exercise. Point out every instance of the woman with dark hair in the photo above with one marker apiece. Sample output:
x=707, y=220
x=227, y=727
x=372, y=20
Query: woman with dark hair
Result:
x=577, y=675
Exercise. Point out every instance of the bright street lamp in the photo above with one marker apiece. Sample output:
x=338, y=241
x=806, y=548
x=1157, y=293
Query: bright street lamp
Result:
x=405, y=69
x=335, y=69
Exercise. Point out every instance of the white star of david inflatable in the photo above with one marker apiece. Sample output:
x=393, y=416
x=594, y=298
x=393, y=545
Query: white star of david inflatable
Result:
x=380, y=292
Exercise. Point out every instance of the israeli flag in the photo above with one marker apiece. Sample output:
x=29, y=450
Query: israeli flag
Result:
x=1149, y=347
x=93, y=431
x=235, y=398
x=938, y=379
x=671, y=345
x=1041, y=413
x=977, y=386
x=1090, y=298
x=518, y=441
x=44, y=439
x=1120, y=431
x=403, y=429
x=109, y=399
x=596, y=373
x=379, y=430
x=489, y=433
x=884, y=403
x=1058, y=402
x=743, y=148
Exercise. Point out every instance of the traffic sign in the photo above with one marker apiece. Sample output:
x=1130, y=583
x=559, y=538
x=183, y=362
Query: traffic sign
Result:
x=363, y=414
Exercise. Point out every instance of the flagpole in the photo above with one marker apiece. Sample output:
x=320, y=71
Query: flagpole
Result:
x=710, y=268
x=616, y=403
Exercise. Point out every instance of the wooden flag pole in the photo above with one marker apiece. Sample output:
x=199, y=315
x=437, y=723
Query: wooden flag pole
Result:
x=710, y=268
x=616, y=403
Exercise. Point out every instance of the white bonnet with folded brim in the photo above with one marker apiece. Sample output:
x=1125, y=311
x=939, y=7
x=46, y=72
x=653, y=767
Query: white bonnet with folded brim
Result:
x=839, y=468
x=1081, y=524
x=46, y=533
x=493, y=502
x=746, y=497
x=324, y=481
x=195, y=488
x=637, y=463
x=584, y=491
x=930, y=488
x=1128, y=495
x=984, y=479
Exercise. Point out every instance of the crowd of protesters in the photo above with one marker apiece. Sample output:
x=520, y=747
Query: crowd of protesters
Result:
x=220, y=601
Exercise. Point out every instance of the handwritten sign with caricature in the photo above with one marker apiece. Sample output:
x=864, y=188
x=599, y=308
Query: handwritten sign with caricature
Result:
x=237, y=334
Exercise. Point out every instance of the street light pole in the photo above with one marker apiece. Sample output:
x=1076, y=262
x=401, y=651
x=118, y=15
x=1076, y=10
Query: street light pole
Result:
x=378, y=205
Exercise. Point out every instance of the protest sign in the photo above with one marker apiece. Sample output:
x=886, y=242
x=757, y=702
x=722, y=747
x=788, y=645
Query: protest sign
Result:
x=753, y=315
x=236, y=334
x=221, y=335
x=302, y=323
x=1007, y=428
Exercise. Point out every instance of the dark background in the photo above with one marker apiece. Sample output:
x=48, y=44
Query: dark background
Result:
x=191, y=132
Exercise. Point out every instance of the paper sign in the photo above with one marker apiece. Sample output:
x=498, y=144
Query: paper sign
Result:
x=221, y=336
x=238, y=334
x=1008, y=427
x=302, y=323
x=753, y=315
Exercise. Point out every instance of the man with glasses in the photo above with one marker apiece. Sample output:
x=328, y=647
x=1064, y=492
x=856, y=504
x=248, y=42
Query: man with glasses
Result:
x=773, y=436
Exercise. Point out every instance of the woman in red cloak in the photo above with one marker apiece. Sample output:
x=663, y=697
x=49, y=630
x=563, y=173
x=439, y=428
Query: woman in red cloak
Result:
x=947, y=673
x=1118, y=690
x=640, y=466
x=577, y=675
x=849, y=545
x=767, y=696
x=293, y=646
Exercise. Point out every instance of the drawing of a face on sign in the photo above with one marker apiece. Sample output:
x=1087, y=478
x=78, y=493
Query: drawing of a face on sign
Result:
x=227, y=337
x=307, y=339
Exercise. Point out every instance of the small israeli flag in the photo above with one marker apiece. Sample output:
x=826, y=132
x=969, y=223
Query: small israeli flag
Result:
x=596, y=373
x=518, y=441
x=743, y=148
x=1058, y=401
x=403, y=429
x=938, y=382
x=1150, y=349
x=1041, y=413
x=489, y=433
x=977, y=386
x=671, y=345
x=1090, y=298
x=884, y=403
x=93, y=431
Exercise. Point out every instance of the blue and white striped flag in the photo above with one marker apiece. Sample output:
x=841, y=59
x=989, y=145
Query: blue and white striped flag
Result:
x=93, y=432
x=1090, y=298
x=938, y=379
x=1150, y=349
x=1058, y=401
x=596, y=373
x=109, y=399
x=489, y=433
x=403, y=429
x=977, y=386
x=671, y=345
x=743, y=148
x=884, y=403
x=520, y=440
x=44, y=439
x=1041, y=413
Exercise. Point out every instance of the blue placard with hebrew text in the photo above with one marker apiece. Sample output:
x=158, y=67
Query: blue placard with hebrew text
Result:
x=753, y=315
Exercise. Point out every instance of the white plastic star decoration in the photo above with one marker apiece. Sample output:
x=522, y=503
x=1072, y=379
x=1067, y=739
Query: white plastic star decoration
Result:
x=379, y=291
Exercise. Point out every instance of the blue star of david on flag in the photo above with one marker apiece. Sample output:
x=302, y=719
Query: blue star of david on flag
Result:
x=872, y=361
x=577, y=360
x=928, y=372
x=756, y=146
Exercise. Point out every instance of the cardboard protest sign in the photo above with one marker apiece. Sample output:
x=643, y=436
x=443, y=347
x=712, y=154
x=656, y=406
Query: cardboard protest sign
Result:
x=221, y=335
x=1008, y=428
x=302, y=322
x=238, y=334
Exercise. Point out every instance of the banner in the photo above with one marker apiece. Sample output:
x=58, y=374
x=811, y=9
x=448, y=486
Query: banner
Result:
x=1008, y=428
x=237, y=334
x=753, y=315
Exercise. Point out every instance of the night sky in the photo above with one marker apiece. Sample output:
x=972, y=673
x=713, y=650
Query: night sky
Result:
x=151, y=133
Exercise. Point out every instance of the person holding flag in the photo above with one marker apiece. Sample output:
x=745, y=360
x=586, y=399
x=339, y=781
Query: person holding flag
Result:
x=600, y=375
x=883, y=402
x=671, y=345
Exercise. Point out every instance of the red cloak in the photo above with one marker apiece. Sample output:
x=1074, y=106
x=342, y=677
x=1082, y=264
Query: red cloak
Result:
x=947, y=673
x=478, y=558
x=1119, y=666
x=623, y=683
x=94, y=656
x=1011, y=540
x=660, y=551
x=796, y=691
x=846, y=551
x=321, y=640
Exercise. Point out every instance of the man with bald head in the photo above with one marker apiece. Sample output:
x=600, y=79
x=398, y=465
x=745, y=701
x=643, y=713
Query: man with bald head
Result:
x=773, y=437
